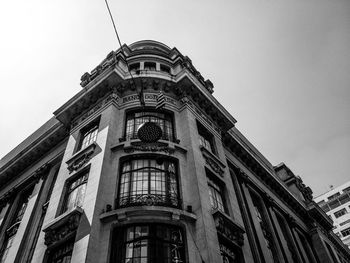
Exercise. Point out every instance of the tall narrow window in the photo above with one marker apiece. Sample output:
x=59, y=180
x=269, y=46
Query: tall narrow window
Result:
x=15, y=223
x=286, y=235
x=229, y=254
x=150, y=66
x=134, y=120
x=148, y=182
x=75, y=192
x=206, y=139
x=216, y=195
x=62, y=253
x=150, y=243
x=89, y=134
x=260, y=214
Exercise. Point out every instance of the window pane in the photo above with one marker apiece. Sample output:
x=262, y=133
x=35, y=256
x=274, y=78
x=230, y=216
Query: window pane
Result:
x=135, y=120
x=151, y=183
x=152, y=243
x=76, y=192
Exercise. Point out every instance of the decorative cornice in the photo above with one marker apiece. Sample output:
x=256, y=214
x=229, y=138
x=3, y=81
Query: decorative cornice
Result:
x=63, y=227
x=264, y=176
x=81, y=158
x=213, y=162
x=99, y=105
x=32, y=153
x=147, y=213
x=38, y=174
x=228, y=229
x=149, y=147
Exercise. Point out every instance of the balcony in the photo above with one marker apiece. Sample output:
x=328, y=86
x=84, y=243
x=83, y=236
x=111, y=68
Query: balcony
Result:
x=169, y=200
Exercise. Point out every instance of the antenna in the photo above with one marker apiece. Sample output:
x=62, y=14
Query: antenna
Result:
x=141, y=97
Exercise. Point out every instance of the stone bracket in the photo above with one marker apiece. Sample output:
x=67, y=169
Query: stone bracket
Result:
x=228, y=229
x=62, y=227
x=82, y=157
x=213, y=162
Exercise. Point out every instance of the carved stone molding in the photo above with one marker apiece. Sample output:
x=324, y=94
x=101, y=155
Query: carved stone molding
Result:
x=228, y=229
x=63, y=227
x=81, y=158
x=209, y=111
x=111, y=97
x=149, y=147
x=213, y=162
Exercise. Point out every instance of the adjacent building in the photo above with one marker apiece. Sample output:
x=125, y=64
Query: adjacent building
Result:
x=336, y=204
x=144, y=165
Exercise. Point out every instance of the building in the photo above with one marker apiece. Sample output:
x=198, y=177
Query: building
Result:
x=336, y=204
x=145, y=165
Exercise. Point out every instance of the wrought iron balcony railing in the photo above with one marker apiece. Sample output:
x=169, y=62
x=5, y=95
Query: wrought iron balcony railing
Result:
x=169, y=200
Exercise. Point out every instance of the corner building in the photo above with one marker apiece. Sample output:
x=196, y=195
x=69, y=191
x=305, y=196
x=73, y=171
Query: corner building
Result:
x=336, y=204
x=109, y=180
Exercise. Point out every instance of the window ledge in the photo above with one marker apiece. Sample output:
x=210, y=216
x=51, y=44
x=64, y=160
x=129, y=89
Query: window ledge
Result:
x=148, y=212
x=131, y=146
x=62, y=227
x=81, y=157
x=228, y=228
x=213, y=161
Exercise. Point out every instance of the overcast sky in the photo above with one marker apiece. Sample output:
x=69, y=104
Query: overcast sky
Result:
x=281, y=67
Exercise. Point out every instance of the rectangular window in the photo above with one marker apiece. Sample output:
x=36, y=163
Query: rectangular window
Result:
x=164, y=68
x=88, y=134
x=15, y=222
x=145, y=243
x=216, y=194
x=340, y=213
x=134, y=68
x=331, y=197
x=75, y=192
x=345, y=232
x=148, y=182
x=135, y=119
x=62, y=253
x=206, y=139
x=346, y=190
x=263, y=223
x=150, y=66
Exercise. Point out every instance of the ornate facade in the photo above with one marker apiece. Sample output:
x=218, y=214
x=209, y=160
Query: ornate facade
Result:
x=110, y=179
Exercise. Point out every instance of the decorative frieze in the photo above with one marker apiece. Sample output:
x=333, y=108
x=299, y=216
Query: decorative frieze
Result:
x=186, y=101
x=111, y=97
x=228, y=229
x=149, y=147
x=213, y=162
x=63, y=228
x=149, y=97
x=81, y=158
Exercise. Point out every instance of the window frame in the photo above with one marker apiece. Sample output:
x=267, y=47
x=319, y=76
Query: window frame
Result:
x=155, y=243
x=89, y=129
x=168, y=127
x=340, y=212
x=206, y=138
x=50, y=251
x=168, y=199
x=13, y=219
x=150, y=66
x=218, y=189
x=67, y=191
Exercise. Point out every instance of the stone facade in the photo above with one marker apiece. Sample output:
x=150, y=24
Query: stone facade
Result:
x=110, y=179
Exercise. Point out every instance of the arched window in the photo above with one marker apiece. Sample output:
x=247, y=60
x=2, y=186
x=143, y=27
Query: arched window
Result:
x=135, y=119
x=145, y=243
x=148, y=182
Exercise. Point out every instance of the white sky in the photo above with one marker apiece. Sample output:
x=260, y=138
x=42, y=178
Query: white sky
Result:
x=281, y=67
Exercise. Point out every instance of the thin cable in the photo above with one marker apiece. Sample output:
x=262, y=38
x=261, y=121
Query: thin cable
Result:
x=142, y=101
